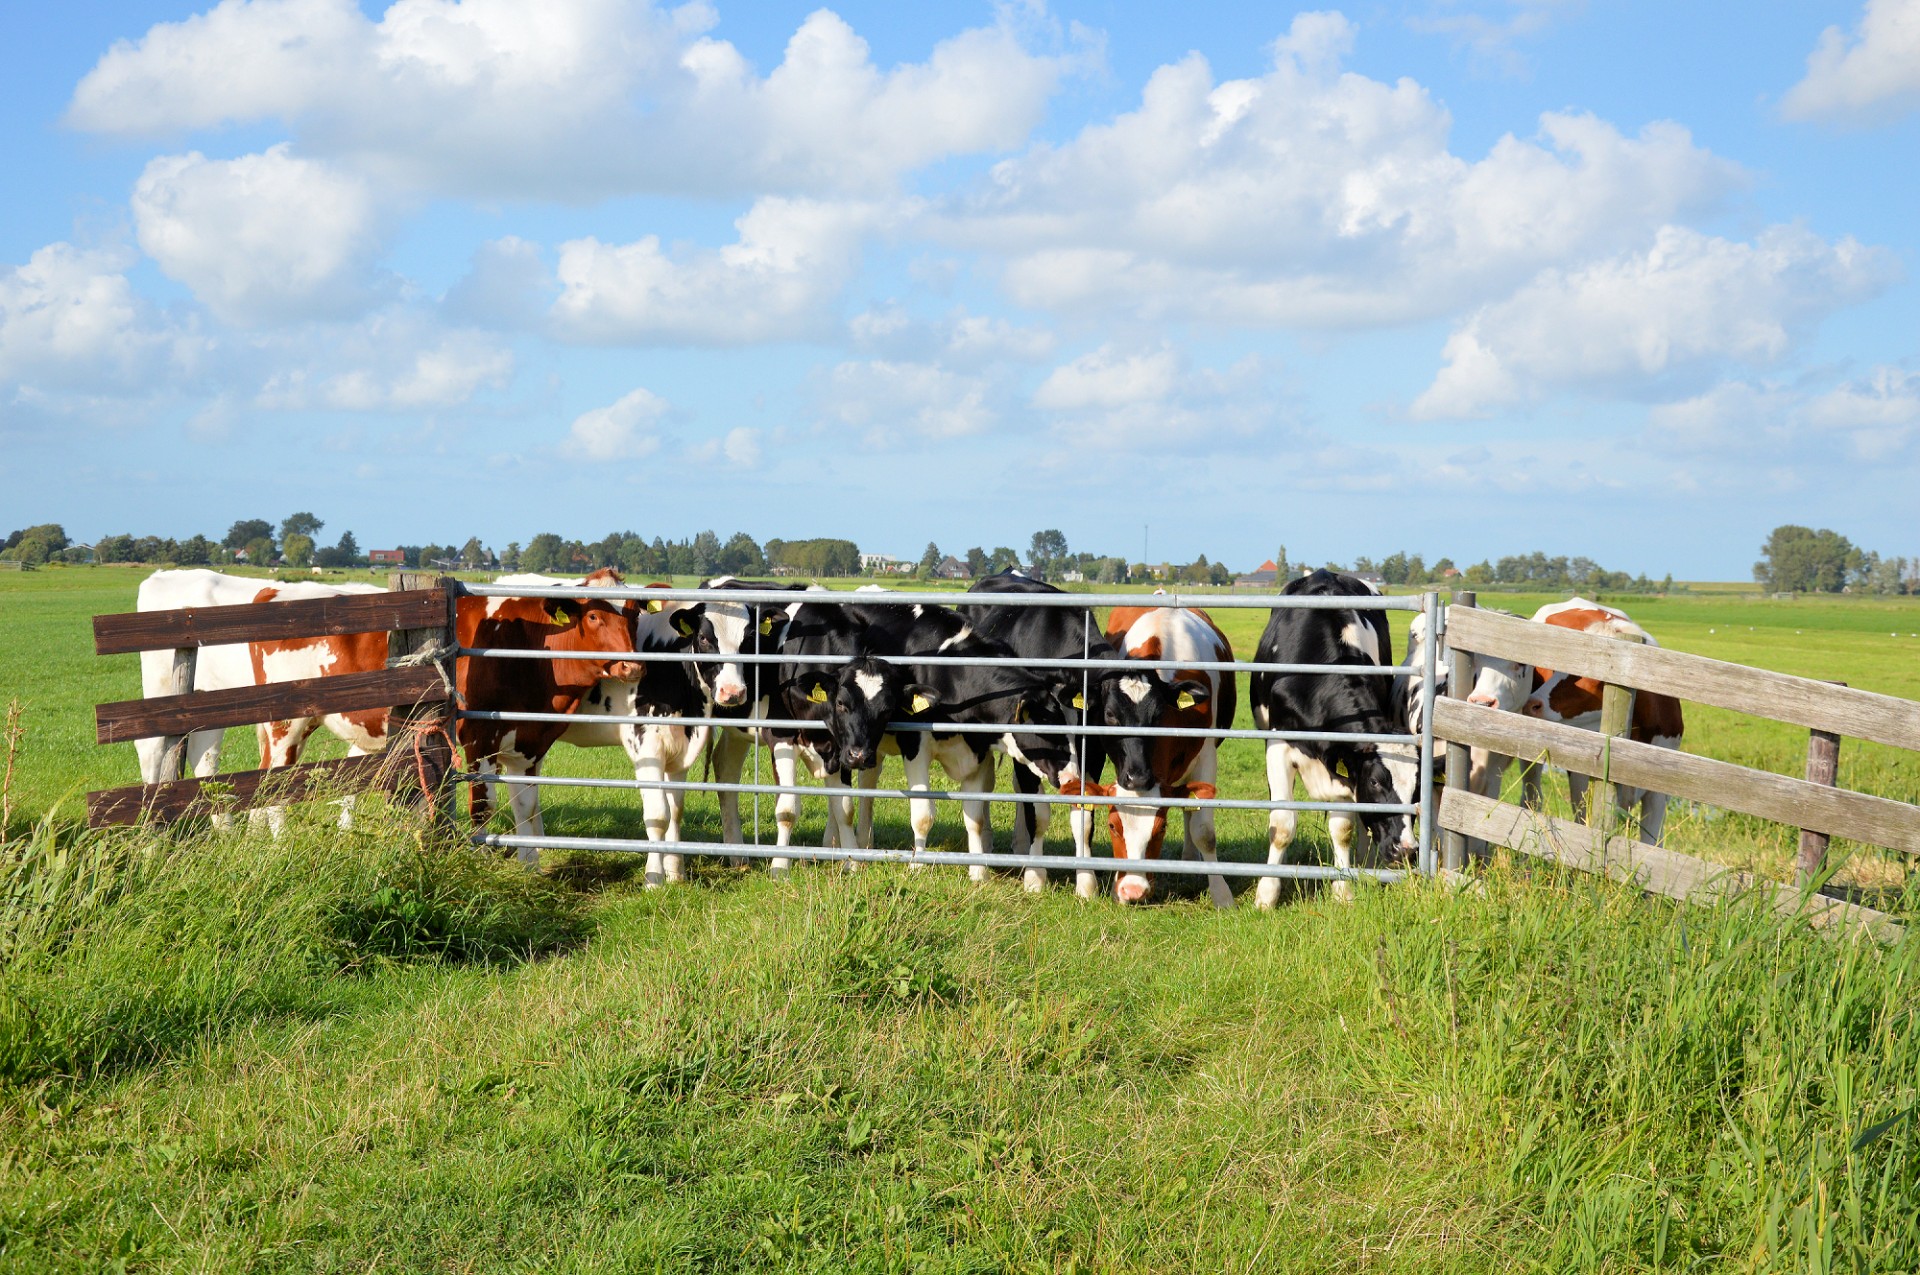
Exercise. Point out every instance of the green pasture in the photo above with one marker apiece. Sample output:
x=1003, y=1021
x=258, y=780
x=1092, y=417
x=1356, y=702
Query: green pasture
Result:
x=46, y=661
x=370, y=1050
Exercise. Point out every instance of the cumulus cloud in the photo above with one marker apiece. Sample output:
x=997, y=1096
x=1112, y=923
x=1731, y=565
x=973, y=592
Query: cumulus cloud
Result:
x=571, y=98
x=959, y=339
x=70, y=321
x=264, y=238
x=626, y=429
x=890, y=401
x=1870, y=75
x=1875, y=419
x=738, y=448
x=396, y=361
x=1114, y=400
x=1315, y=197
x=1646, y=321
x=776, y=282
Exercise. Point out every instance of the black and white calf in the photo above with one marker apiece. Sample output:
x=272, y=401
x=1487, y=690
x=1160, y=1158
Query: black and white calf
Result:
x=1051, y=633
x=1333, y=702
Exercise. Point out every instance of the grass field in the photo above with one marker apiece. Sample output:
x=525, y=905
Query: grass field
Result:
x=366, y=1051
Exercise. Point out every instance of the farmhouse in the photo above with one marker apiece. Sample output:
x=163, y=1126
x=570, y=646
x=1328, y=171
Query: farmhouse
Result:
x=1264, y=579
x=386, y=558
x=951, y=568
x=885, y=564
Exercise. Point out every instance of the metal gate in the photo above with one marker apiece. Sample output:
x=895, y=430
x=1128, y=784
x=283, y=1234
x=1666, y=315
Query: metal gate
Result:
x=765, y=601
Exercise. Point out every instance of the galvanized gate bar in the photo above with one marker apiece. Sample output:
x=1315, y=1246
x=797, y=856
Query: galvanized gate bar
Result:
x=956, y=661
x=947, y=858
x=958, y=728
x=942, y=794
x=789, y=597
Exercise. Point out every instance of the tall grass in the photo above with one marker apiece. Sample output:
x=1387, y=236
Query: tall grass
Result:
x=119, y=948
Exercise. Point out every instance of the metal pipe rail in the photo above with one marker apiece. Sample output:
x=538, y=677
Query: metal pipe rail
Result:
x=945, y=858
x=956, y=661
x=956, y=728
x=943, y=794
x=789, y=597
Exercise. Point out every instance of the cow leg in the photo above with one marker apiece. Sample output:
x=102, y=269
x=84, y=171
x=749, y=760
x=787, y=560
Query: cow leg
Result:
x=869, y=778
x=919, y=769
x=1530, y=772
x=840, y=813
x=524, y=801
x=1085, y=884
x=786, y=807
x=1196, y=824
x=656, y=812
x=1577, y=796
x=974, y=814
x=1349, y=835
x=1280, y=823
x=280, y=745
x=729, y=756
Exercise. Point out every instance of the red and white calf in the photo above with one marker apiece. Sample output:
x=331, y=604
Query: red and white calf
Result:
x=1163, y=766
x=1575, y=701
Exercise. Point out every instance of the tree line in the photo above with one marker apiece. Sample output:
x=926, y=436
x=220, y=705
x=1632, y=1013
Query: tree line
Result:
x=1798, y=559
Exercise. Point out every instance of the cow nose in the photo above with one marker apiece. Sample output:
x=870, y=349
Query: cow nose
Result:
x=1532, y=709
x=1485, y=701
x=626, y=671
x=1132, y=888
x=729, y=696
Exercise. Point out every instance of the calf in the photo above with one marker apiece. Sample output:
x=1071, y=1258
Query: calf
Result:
x=1174, y=766
x=547, y=685
x=1332, y=702
x=1051, y=633
x=1575, y=701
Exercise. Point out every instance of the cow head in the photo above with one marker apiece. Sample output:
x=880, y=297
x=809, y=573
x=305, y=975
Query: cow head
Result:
x=730, y=628
x=1502, y=684
x=1384, y=774
x=1036, y=710
x=1145, y=702
x=583, y=624
x=856, y=702
x=1138, y=832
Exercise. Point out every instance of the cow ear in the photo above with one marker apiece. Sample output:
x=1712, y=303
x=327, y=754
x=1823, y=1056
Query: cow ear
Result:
x=814, y=687
x=685, y=622
x=560, y=612
x=1191, y=693
x=920, y=699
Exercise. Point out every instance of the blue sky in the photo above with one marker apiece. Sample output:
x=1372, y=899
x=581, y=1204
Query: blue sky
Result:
x=1465, y=278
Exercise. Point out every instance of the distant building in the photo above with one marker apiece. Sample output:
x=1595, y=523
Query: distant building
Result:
x=951, y=568
x=1073, y=575
x=386, y=558
x=1266, y=577
x=885, y=564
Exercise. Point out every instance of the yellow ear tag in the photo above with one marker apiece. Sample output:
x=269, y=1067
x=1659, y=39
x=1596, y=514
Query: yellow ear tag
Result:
x=560, y=615
x=655, y=605
x=1079, y=701
x=766, y=627
x=1185, y=699
x=921, y=703
x=818, y=695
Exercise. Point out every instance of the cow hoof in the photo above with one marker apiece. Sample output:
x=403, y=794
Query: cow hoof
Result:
x=1266, y=896
x=1034, y=883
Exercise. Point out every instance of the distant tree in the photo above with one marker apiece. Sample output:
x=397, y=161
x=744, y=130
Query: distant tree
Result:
x=929, y=560
x=706, y=554
x=1441, y=568
x=1798, y=559
x=1000, y=559
x=113, y=549
x=680, y=559
x=259, y=551
x=297, y=550
x=1364, y=566
x=1393, y=568
x=544, y=554
x=511, y=558
x=741, y=556
x=300, y=524
x=1218, y=574
x=1480, y=573
x=1285, y=572
x=196, y=551
x=1416, y=572
x=1047, y=549
x=977, y=562
x=246, y=530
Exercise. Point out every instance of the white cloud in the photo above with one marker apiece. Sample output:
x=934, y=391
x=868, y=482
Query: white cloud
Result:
x=739, y=448
x=1644, y=321
x=1105, y=378
x=627, y=429
x=958, y=339
x=1873, y=75
x=570, y=98
x=70, y=321
x=398, y=360
x=263, y=238
x=1315, y=197
x=889, y=400
x=776, y=282
x=1875, y=419
x=507, y=286
x=1491, y=37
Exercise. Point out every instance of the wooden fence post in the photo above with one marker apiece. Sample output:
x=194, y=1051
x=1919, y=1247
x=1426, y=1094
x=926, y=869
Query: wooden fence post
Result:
x=421, y=734
x=1459, y=758
x=173, y=748
x=1616, y=716
x=1823, y=767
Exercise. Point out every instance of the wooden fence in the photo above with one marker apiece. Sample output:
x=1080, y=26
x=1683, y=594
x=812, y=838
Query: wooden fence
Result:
x=1827, y=709
x=418, y=620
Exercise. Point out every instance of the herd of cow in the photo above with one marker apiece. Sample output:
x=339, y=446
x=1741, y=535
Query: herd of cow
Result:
x=755, y=666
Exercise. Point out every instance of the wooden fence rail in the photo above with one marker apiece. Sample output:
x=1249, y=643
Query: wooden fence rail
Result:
x=1828, y=709
x=418, y=617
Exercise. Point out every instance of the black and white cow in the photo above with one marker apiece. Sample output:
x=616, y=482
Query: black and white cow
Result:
x=1051, y=633
x=1332, y=702
x=863, y=696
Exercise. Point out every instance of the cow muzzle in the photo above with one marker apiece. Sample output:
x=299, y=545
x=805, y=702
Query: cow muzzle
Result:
x=626, y=671
x=1132, y=887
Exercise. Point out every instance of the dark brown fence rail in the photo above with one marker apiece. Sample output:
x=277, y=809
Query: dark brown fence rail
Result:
x=417, y=617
